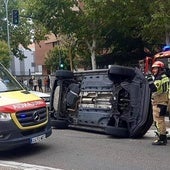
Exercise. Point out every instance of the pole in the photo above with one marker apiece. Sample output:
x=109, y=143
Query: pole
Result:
x=59, y=52
x=12, y=67
x=7, y=23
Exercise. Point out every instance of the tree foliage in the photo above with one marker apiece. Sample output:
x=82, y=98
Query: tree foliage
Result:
x=18, y=34
x=55, y=58
x=4, y=54
x=157, y=29
x=125, y=27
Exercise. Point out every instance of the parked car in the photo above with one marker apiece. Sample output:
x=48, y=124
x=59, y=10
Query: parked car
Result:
x=44, y=96
x=115, y=101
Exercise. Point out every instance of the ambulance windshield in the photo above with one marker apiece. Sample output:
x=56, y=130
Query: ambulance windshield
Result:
x=7, y=81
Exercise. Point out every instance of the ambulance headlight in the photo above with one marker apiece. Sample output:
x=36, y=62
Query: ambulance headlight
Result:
x=46, y=99
x=5, y=116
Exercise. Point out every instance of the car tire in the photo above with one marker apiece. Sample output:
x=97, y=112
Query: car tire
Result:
x=120, y=72
x=64, y=74
x=116, y=131
x=59, y=124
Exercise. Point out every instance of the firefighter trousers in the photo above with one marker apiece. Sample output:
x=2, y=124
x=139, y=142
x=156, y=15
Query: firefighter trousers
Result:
x=159, y=120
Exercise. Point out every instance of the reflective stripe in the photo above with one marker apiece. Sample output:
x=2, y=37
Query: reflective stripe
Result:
x=162, y=85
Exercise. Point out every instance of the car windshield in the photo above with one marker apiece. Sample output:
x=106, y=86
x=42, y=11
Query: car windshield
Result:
x=7, y=81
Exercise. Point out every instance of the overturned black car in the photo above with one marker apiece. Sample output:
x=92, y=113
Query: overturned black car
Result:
x=115, y=101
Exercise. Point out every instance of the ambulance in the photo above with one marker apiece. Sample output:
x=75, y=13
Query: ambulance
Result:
x=24, y=117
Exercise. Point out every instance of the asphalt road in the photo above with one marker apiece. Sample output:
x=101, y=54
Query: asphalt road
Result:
x=78, y=150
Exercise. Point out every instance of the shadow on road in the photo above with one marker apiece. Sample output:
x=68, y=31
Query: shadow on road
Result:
x=23, y=151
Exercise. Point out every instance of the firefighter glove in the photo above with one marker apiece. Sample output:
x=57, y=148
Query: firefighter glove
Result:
x=150, y=79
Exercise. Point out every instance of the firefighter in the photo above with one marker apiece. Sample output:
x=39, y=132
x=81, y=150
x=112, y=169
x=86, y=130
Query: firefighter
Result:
x=159, y=88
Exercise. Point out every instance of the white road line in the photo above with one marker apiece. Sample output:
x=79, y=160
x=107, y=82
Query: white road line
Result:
x=24, y=166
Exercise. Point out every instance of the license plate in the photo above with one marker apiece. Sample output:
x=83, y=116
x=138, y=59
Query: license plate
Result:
x=38, y=138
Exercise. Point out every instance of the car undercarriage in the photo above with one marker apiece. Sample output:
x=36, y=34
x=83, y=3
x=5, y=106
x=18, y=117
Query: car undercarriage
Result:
x=115, y=101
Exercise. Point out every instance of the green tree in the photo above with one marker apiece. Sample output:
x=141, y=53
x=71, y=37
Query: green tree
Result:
x=120, y=22
x=158, y=26
x=68, y=17
x=18, y=34
x=4, y=54
x=55, y=58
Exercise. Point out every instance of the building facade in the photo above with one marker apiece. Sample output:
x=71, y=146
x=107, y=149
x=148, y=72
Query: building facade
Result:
x=27, y=65
x=33, y=64
x=41, y=50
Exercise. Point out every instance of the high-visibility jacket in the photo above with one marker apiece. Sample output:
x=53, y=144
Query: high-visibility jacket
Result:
x=160, y=89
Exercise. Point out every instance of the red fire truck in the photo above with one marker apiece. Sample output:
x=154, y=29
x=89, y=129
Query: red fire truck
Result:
x=164, y=56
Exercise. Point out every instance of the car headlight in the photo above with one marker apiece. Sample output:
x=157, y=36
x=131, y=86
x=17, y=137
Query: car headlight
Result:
x=46, y=99
x=5, y=116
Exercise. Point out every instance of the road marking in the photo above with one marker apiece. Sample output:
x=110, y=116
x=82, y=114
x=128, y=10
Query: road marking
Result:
x=24, y=166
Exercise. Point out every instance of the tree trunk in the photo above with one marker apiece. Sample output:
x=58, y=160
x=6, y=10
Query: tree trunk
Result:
x=93, y=54
x=93, y=60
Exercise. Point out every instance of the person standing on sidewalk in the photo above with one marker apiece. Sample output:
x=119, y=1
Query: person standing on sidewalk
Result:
x=160, y=89
x=35, y=84
x=48, y=84
x=31, y=83
x=40, y=85
x=45, y=84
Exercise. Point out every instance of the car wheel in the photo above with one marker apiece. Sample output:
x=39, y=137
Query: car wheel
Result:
x=117, y=132
x=59, y=124
x=64, y=74
x=120, y=72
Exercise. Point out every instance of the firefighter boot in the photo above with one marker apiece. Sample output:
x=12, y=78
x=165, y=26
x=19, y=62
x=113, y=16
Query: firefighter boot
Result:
x=162, y=140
